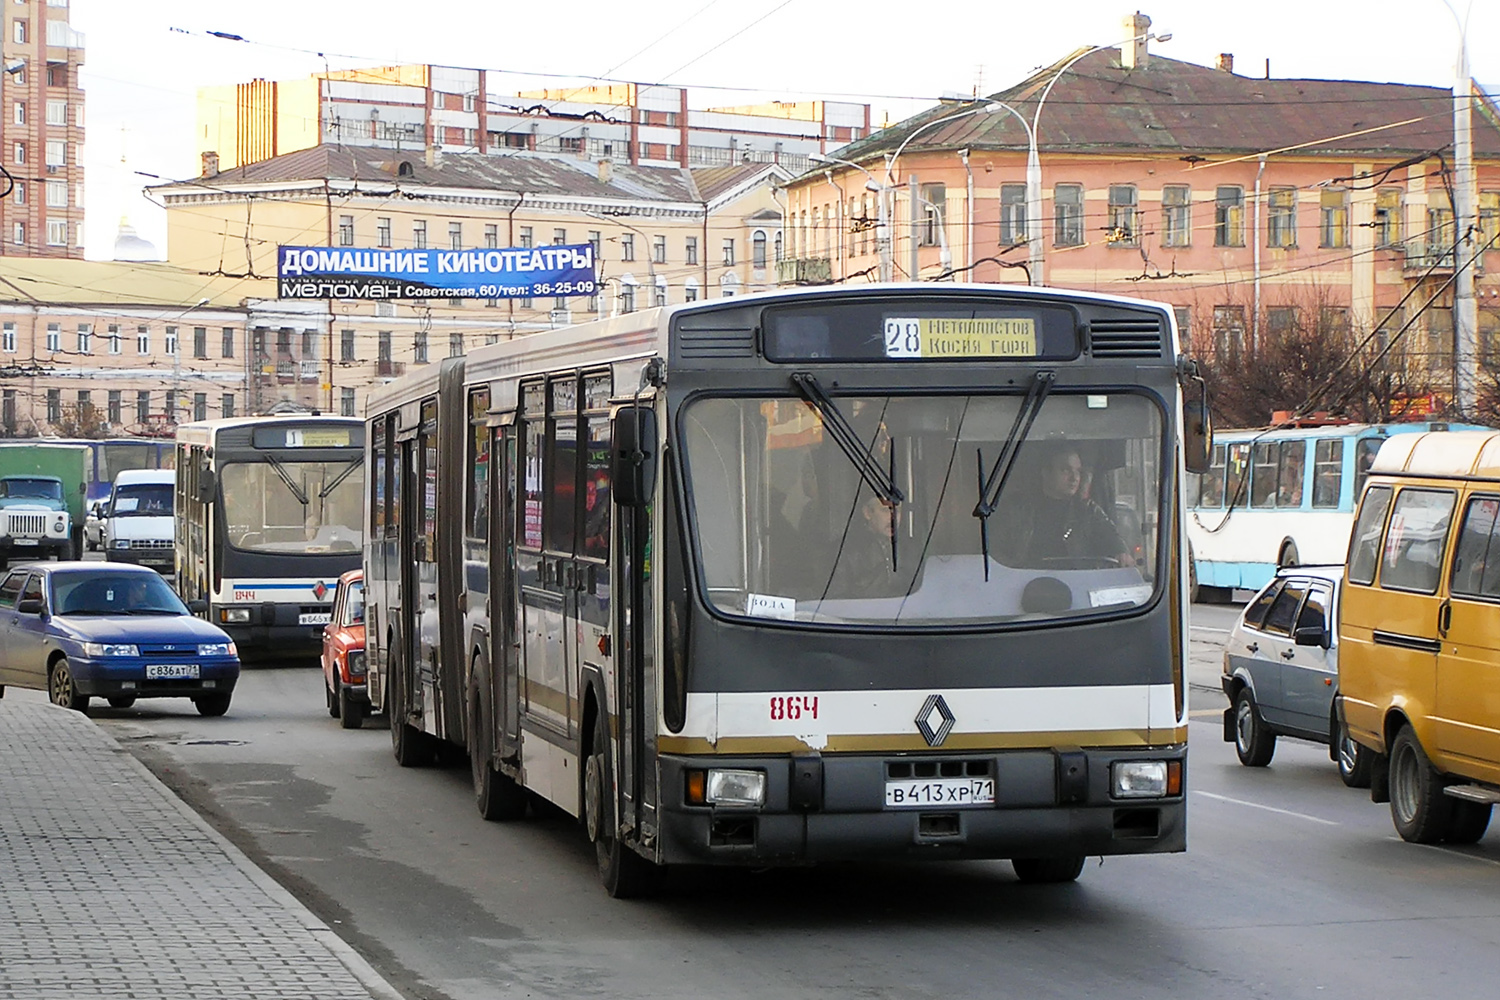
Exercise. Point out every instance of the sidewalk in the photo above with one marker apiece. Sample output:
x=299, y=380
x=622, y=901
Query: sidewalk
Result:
x=110, y=886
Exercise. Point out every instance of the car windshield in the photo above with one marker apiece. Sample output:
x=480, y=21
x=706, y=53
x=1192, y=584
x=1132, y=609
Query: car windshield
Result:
x=790, y=526
x=292, y=507
x=99, y=592
x=354, y=605
x=142, y=500
x=37, y=489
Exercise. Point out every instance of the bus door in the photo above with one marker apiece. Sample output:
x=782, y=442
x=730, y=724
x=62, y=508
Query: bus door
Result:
x=544, y=559
x=421, y=605
x=505, y=636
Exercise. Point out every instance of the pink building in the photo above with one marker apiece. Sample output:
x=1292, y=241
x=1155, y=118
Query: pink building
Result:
x=1248, y=203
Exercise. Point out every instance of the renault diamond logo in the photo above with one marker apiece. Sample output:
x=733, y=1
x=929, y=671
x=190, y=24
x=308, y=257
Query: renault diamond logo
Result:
x=319, y=589
x=934, y=706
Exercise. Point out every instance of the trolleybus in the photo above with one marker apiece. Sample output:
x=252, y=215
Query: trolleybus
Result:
x=268, y=516
x=111, y=456
x=789, y=577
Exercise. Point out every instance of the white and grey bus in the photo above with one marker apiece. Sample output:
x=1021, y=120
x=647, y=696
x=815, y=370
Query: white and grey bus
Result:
x=268, y=515
x=823, y=574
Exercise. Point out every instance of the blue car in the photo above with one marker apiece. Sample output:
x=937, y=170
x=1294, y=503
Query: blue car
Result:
x=110, y=630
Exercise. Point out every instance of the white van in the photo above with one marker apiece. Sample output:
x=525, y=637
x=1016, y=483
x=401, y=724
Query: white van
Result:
x=139, y=526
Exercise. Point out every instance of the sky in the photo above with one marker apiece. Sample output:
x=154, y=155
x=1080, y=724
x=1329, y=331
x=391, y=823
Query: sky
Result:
x=145, y=59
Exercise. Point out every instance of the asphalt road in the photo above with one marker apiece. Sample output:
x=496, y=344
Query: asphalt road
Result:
x=1293, y=886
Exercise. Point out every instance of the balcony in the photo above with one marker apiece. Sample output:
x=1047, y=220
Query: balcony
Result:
x=1438, y=256
x=804, y=271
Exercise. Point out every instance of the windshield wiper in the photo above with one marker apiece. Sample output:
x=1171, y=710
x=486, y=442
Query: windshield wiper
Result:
x=882, y=481
x=285, y=478
x=992, y=485
x=340, y=478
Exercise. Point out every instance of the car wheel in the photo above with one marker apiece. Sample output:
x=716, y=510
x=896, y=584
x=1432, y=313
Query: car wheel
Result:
x=1253, y=740
x=1421, y=812
x=61, y=687
x=625, y=874
x=496, y=794
x=121, y=700
x=351, y=713
x=331, y=698
x=1035, y=871
x=1470, y=820
x=1354, y=760
x=212, y=705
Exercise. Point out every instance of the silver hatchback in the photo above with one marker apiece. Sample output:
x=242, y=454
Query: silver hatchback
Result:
x=1281, y=672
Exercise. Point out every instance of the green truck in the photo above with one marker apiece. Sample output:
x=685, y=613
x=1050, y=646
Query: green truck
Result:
x=42, y=491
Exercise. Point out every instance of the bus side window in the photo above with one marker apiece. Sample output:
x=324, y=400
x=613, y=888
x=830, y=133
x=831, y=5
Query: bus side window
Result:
x=1478, y=553
x=1237, y=469
x=1328, y=472
x=1265, y=476
x=1415, y=541
x=1364, y=545
x=1293, y=471
x=1213, y=481
x=1364, y=457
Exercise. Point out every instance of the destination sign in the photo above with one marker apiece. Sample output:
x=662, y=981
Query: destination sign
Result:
x=306, y=437
x=939, y=337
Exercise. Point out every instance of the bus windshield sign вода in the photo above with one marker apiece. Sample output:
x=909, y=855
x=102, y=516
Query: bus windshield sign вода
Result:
x=935, y=329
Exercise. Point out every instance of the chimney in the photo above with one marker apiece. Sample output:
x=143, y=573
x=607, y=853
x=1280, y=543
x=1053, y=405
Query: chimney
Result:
x=1226, y=62
x=1133, y=54
x=433, y=156
x=210, y=163
x=604, y=170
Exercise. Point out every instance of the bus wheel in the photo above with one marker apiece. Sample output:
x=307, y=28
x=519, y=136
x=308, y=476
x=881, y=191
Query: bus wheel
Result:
x=625, y=874
x=1289, y=557
x=410, y=747
x=1253, y=740
x=1470, y=820
x=1421, y=812
x=1035, y=871
x=497, y=795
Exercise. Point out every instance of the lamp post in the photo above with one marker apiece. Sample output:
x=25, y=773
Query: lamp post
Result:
x=882, y=225
x=1465, y=312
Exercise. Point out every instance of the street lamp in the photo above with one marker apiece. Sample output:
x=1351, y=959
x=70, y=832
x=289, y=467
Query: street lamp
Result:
x=882, y=225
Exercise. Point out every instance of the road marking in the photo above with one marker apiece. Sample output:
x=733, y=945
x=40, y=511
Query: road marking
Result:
x=1257, y=805
x=1217, y=713
x=1209, y=628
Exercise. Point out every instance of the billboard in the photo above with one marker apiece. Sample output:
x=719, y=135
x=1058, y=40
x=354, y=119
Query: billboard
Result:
x=384, y=274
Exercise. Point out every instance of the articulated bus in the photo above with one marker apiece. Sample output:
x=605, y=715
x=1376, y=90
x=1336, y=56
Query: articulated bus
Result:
x=269, y=514
x=788, y=578
x=1280, y=496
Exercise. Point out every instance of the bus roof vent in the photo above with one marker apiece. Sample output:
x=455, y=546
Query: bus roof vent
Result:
x=715, y=344
x=1125, y=338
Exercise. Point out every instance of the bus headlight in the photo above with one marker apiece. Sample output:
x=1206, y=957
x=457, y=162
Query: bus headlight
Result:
x=725, y=787
x=1145, y=779
x=235, y=616
x=95, y=650
x=216, y=649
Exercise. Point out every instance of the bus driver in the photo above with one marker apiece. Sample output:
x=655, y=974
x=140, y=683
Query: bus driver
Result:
x=1062, y=524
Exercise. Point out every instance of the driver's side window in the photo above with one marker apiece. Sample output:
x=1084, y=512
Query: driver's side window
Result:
x=32, y=591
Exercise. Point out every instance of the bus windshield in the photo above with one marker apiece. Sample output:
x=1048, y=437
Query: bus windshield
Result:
x=788, y=527
x=115, y=458
x=293, y=507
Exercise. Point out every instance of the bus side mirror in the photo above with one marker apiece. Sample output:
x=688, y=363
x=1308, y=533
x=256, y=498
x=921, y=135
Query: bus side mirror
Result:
x=1197, y=435
x=206, y=486
x=632, y=466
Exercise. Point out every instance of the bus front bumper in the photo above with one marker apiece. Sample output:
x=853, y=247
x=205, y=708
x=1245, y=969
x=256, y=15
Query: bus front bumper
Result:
x=275, y=630
x=1047, y=804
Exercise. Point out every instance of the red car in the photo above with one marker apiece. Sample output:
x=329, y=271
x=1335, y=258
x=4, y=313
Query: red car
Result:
x=344, y=653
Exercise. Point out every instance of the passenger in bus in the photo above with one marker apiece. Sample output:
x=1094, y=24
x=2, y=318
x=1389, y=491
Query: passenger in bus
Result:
x=1058, y=525
x=866, y=565
x=596, y=515
x=1289, y=489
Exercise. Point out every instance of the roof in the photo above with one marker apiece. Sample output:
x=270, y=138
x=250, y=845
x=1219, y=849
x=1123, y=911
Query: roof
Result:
x=1441, y=455
x=83, y=283
x=1182, y=109
x=536, y=174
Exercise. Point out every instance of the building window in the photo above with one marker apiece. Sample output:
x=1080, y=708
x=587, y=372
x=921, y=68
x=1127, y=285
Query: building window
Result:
x=659, y=250
x=690, y=293
x=1183, y=315
x=1176, y=216
x=1388, y=217
x=8, y=411
x=18, y=193
x=346, y=402
x=758, y=249
x=690, y=252
x=383, y=231
x=1281, y=217
x=491, y=236
x=729, y=252
x=383, y=347
x=627, y=297
x=8, y=338
x=18, y=31
x=627, y=246
x=777, y=246
x=54, y=406
x=57, y=194
x=1281, y=321
x=596, y=238
x=142, y=406
x=19, y=115
x=57, y=153
x=142, y=340
x=1229, y=216
x=57, y=233
x=455, y=236
x=169, y=342
x=1229, y=331
x=18, y=234
x=226, y=349
x=455, y=345
x=525, y=240
x=1333, y=226
x=419, y=348
x=419, y=234
x=346, y=230
x=85, y=405
x=1012, y=214
x=85, y=338
x=659, y=292
x=200, y=406
x=54, y=337
x=20, y=152
x=115, y=410
x=114, y=338
x=346, y=345
x=559, y=237
x=200, y=341
x=170, y=406
x=309, y=344
x=1122, y=223
x=57, y=113
x=1489, y=217
x=226, y=404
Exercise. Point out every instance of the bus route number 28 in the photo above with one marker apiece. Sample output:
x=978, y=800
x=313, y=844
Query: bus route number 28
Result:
x=795, y=706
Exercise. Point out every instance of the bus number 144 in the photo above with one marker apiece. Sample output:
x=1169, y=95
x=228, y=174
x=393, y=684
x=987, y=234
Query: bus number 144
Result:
x=794, y=707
